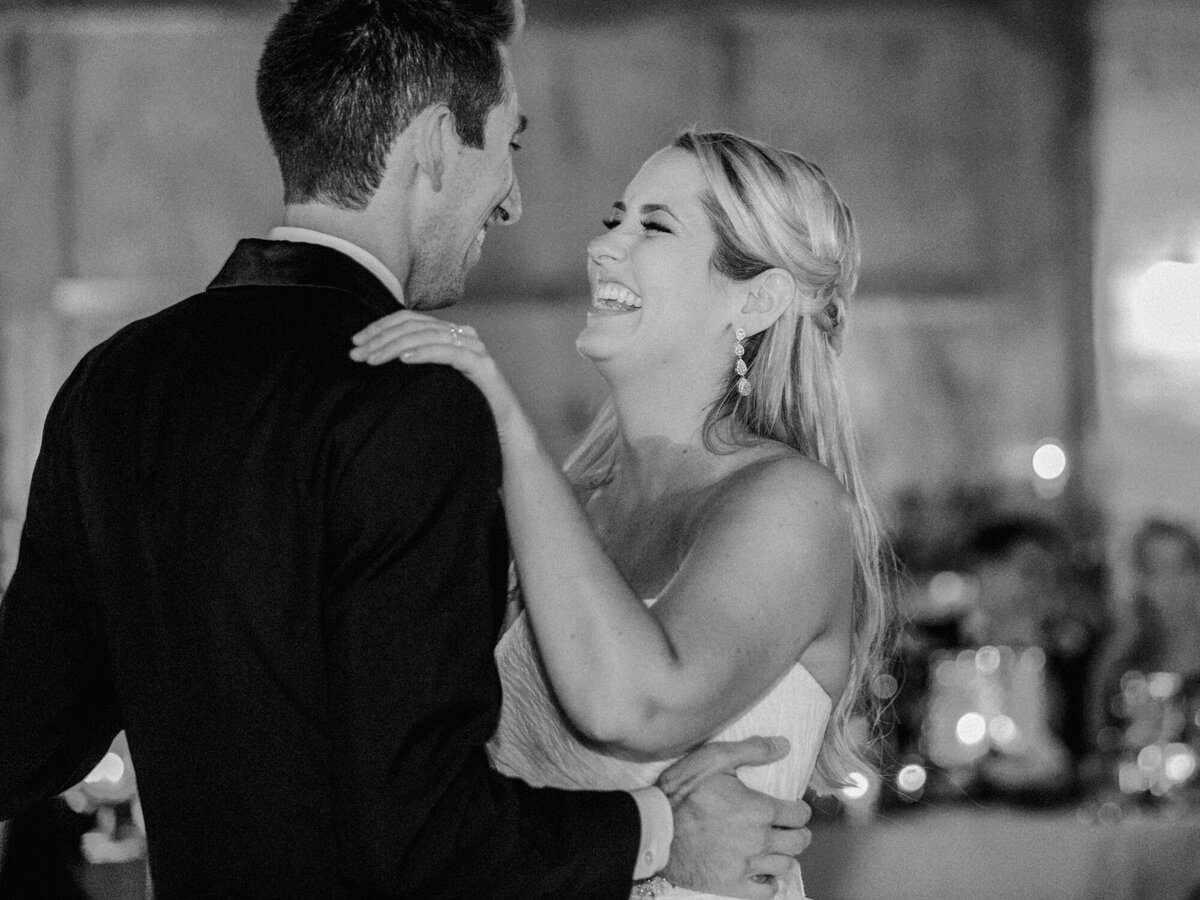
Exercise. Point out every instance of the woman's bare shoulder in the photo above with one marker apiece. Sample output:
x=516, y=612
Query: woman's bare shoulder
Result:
x=777, y=481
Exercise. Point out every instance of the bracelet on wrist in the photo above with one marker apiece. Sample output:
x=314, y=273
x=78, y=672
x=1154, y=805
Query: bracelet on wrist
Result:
x=654, y=886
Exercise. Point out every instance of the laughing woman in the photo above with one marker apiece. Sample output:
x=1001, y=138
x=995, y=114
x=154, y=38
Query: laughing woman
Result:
x=721, y=576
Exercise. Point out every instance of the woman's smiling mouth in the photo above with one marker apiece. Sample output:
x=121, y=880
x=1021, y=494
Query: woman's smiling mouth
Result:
x=612, y=297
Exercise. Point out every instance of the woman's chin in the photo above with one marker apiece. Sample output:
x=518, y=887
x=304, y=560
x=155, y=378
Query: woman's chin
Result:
x=605, y=332
x=591, y=346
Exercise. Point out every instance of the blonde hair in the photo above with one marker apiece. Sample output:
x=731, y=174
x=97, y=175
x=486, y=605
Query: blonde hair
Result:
x=772, y=209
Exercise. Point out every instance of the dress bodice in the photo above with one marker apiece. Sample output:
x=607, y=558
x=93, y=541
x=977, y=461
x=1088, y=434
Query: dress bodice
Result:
x=535, y=742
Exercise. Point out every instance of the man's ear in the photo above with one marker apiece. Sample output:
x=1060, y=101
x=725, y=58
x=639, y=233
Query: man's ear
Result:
x=432, y=132
x=764, y=299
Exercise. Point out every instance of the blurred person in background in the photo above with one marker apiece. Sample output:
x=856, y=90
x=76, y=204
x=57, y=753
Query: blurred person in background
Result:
x=1161, y=633
x=1158, y=630
x=1026, y=599
x=1021, y=567
x=721, y=480
x=283, y=574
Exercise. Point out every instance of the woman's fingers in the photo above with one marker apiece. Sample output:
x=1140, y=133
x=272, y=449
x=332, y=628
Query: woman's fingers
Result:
x=758, y=890
x=397, y=340
x=417, y=338
x=377, y=337
x=768, y=869
x=788, y=842
x=392, y=320
x=466, y=361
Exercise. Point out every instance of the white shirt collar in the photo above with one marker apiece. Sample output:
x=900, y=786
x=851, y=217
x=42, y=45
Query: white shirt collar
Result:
x=367, y=260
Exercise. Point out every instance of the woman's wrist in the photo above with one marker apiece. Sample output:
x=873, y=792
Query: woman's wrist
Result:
x=517, y=433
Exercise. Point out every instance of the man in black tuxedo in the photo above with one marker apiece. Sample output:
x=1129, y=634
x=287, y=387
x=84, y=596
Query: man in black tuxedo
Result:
x=283, y=573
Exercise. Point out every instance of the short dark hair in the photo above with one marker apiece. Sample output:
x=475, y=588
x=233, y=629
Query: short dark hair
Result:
x=338, y=80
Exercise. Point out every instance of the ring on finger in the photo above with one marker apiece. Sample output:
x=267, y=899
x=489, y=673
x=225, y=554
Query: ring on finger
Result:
x=456, y=335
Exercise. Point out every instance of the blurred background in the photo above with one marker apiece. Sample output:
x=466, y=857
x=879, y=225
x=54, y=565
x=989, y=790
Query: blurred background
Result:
x=1023, y=361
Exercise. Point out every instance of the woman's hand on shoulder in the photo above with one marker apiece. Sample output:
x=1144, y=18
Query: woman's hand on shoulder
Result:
x=414, y=337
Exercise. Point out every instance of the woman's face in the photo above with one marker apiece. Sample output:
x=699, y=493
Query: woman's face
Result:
x=657, y=305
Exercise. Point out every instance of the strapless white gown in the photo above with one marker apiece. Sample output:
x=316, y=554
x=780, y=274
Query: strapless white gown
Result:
x=535, y=743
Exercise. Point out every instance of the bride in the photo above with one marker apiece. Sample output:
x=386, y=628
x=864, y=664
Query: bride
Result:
x=719, y=575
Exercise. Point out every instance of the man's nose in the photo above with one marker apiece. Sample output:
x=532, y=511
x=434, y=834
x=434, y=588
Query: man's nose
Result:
x=509, y=210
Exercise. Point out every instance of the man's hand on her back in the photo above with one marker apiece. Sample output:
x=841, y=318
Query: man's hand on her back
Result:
x=730, y=839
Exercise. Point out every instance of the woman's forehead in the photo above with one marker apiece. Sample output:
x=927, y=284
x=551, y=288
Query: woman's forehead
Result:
x=671, y=176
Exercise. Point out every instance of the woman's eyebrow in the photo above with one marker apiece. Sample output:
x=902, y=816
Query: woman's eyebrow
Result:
x=648, y=208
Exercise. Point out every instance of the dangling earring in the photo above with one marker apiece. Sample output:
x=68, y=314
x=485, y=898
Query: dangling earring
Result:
x=739, y=366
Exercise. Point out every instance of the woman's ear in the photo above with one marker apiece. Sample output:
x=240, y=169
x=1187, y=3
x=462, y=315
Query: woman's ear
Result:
x=765, y=298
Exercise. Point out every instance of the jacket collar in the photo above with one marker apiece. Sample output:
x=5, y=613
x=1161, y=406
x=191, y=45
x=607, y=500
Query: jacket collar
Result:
x=259, y=263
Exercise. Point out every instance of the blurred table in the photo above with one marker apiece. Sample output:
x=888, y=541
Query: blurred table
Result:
x=1003, y=854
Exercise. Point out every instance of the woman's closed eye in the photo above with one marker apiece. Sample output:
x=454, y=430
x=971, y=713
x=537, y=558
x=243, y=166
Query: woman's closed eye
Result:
x=647, y=225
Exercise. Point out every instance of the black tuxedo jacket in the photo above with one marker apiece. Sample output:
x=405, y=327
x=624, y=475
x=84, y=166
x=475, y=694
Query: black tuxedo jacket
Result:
x=282, y=572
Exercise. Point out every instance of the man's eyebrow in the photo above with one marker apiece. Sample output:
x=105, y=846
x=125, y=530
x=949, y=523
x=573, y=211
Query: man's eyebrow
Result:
x=522, y=124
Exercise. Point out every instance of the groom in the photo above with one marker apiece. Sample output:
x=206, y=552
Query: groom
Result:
x=283, y=573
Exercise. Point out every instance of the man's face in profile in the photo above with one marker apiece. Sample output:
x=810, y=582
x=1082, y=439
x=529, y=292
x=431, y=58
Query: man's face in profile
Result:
x=479, y=188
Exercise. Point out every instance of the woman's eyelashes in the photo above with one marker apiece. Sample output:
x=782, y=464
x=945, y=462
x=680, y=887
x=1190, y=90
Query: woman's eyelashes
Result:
x=647, y=225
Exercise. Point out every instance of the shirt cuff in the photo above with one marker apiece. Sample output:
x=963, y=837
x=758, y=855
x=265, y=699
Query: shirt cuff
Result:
x=658, y=830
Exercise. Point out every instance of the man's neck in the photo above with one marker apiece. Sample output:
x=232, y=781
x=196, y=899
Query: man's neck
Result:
x=360, y=228
x=367, y=260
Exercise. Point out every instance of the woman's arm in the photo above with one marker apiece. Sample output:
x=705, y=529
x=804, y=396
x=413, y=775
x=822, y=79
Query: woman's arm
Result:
x=771, y=571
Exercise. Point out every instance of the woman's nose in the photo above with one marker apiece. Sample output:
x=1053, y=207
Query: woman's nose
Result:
x=605, y=247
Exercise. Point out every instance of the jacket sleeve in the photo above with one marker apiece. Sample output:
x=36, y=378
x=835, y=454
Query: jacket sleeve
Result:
x=58, y=711
x=415, y=598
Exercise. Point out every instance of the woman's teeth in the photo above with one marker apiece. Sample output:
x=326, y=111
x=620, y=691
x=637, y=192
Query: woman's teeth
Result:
x=610, y=295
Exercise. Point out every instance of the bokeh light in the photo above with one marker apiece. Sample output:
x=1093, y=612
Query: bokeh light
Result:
x=971, y=728
x=1162, y=315
x=885, y=686
x=1049, y=461
x=987, y=659
x=1179, y=762
x=858, y=786
x=950, y=589
x=111, y=769
x=1150, y=759
x=1003, y=730
x=911, y=778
